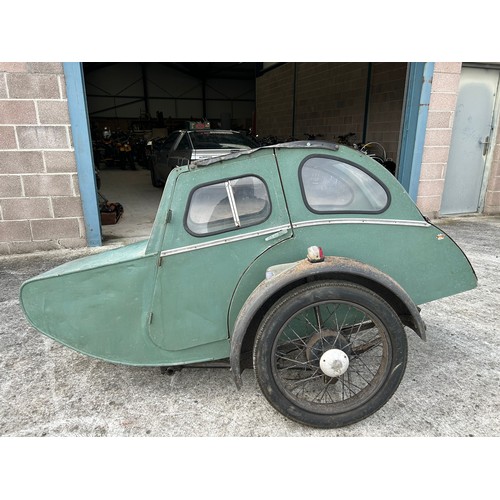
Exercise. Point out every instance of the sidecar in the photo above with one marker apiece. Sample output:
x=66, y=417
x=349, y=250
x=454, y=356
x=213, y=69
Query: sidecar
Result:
x=304, y=261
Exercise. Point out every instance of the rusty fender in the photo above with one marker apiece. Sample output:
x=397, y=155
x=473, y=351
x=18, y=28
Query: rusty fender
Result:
x=339, y=268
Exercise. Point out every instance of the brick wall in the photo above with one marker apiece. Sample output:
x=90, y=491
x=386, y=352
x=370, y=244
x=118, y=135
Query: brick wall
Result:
x=330, y=101
x=444, y=93
x=387, y=93
x=274, y=102
x=40, y=205
x=492, y=197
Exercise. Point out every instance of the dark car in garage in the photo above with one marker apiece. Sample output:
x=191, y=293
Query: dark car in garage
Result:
x=184, y=146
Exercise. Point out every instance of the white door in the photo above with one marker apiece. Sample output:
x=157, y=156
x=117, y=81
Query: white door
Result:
x=471, y=141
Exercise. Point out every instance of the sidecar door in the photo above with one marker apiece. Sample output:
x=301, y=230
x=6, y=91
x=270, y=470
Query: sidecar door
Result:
x=223, y=216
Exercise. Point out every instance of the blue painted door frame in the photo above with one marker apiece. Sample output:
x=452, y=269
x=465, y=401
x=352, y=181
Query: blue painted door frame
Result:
x=82, y=142
x=418, y=93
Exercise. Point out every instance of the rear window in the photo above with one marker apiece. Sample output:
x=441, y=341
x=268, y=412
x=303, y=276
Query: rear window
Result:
x=228, y=205
x=330, y=185
x=213, y=139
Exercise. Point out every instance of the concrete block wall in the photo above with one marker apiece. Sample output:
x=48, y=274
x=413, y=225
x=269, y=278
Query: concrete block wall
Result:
x=492, y=196
x=40, y=205
x=330, y=100
x=387, y=94
x=274, y=101
x=444, y=94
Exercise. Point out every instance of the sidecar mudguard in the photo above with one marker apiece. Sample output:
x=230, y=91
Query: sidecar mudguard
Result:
x=286, y=276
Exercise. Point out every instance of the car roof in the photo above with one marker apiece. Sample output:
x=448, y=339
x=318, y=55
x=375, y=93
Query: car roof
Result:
x=332, y=146
x=209, y=130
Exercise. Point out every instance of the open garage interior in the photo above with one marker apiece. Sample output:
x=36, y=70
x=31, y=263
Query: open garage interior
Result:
x=130, y=104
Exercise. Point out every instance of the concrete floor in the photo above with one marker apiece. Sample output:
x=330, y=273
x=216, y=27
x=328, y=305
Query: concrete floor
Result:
x=140, y=200
x=451, y=386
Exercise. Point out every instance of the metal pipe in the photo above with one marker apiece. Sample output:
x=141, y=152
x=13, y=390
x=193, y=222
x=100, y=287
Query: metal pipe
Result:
x=145, y=87
x=423, y=112
x=80, y=130
x=294, y=91
x=367, y=102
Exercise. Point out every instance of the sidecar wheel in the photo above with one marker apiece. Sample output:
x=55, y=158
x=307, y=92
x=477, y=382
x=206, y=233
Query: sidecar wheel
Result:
x=329, y=354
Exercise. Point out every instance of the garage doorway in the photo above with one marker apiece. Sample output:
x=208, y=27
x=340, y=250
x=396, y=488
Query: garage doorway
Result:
x=154, y=98
x=130, y=104
x=471, y=142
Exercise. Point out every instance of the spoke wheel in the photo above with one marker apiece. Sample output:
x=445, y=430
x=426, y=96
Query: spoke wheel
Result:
x=329, y=354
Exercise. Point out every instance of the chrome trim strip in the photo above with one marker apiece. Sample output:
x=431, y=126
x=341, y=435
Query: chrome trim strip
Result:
x=232, y=203
x=387, y=222
x=320, y=222
x=223, y=241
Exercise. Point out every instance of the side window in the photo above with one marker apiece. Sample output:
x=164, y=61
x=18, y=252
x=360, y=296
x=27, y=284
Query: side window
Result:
x=228, y=205
x=184, y=144
x=329, y=185
x=166, y=144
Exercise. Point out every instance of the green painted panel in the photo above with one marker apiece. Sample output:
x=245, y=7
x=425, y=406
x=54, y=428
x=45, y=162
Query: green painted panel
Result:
x=174, y=299
x=428, y=266
x=194, y=287
x=424, y=261
x=99, y=305
x=289, y=160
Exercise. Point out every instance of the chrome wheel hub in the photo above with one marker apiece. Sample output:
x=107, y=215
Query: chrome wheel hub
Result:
x=334, y=363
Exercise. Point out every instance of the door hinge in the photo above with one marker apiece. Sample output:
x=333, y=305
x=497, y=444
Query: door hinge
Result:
x=486, y=145
x=150, y=318
x=169, y=216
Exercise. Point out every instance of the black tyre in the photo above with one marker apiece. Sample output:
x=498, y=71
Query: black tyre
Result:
x=329, y=354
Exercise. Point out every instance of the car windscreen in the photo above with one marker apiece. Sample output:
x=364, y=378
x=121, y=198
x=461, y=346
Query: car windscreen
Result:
x=213, y=139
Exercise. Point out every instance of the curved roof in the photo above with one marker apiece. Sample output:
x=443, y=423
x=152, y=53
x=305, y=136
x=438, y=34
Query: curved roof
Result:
x=294, y=144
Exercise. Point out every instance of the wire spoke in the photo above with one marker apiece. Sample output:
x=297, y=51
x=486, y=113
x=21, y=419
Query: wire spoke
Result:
x=337, y=324
x=367, y=346
x=295, y=362
x=357, y=358
x=314, y=376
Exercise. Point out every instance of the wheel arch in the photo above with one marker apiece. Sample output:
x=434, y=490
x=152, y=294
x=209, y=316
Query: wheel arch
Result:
x=332, y=268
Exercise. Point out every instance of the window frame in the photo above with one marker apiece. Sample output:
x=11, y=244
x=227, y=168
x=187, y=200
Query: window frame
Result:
x=352, y=164
x=224, y=181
